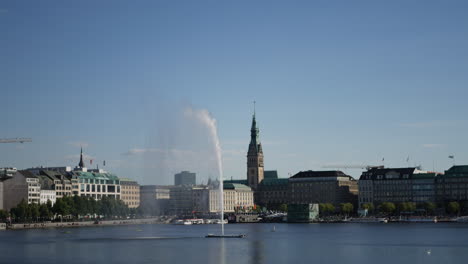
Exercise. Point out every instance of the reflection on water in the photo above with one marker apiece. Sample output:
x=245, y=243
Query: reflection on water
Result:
x=257, y=252
x=291, y=243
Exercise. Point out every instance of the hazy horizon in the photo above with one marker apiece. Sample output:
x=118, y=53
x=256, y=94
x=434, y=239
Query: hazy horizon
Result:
x=336, y=82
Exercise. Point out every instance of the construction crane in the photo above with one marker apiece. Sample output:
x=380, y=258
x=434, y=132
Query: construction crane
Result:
x=344, y=166
x=15, y=140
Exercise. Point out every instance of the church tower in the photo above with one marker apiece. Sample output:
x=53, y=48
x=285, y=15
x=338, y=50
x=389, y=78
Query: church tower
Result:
x=81, y=164
x=254, y=157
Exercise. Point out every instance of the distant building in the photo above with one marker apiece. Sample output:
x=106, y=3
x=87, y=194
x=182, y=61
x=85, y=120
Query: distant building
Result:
x=453, y=185
x=272, y=191
x=185, y=178
x=130, y=192
x=180, y=201
x=255, y=166
x=48, y=195
x=308, y=187
x=396, y=185
x=97, y=185
x=236, y=198
x=22, y=186
x=55, y=180
x=154, y=199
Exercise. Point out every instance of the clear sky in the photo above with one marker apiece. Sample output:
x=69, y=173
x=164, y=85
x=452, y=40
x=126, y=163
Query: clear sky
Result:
x=336, y=82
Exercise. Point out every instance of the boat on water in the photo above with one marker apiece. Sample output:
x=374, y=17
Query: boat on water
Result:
x=224, y=236
x=182, y=222
x=418, y=220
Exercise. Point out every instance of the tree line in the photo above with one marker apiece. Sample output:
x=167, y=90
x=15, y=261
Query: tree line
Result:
x=428, y=208
x=68, y=208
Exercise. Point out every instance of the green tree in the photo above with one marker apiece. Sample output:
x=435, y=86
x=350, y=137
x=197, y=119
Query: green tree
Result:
x=453, y=208
x=347, y=208
x=3, y=215
x=61, y=208
x=34, y=211
x=22, y=211
x=430, y=207
x=368, y=206
x=44, y=212
x=387, y=207
x=283, y=207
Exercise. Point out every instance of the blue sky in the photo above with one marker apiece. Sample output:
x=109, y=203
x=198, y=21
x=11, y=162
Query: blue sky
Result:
x=336, y=82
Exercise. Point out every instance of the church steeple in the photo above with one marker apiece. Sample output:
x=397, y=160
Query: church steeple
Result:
x=254, y=156
x=81, y=164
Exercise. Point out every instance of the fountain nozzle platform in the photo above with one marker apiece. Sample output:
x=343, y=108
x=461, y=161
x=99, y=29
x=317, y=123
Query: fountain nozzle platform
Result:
x=224, y=236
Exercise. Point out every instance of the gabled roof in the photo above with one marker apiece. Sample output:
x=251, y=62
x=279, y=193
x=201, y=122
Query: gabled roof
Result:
x=27, y=174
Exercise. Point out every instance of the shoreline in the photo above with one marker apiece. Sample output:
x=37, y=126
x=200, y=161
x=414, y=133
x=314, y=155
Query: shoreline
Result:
x=46, y=225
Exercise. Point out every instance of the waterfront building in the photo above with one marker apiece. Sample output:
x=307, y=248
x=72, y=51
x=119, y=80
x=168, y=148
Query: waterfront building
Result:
x=236, y=198
x=453, y=185
x=154, y=199
x=130, y=192
x=55, y=180
x=255, y=166
x=180, y=201
x=22, y=186
x=336, y=187
x=97, y=184
x=48, y=195
x=397, y=185
x=272, y=191
x=185, y=178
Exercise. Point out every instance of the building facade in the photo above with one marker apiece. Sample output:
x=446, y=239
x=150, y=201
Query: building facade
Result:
x=309, y=187
x=396, y=185
x=272, y=191
x=48, y=195
x=154, y=199
x=185, y=178
x=22, y=186
x=453, y=185
x=236, y=198
x=130, y=192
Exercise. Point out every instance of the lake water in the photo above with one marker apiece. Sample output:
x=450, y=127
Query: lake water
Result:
x=290, y=243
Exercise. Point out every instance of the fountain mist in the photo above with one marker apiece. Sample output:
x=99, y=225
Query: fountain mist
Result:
x=205, y=118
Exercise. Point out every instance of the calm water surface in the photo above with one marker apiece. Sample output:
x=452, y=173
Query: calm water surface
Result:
x=291, y=243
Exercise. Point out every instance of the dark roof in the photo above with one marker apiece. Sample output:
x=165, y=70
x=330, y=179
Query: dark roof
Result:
x=270, y=182
x=27, y=174
x=270, y=174
x=236, y=186
x=459, y=169
x=374, y=173
x=315, y=174
x=236, y=181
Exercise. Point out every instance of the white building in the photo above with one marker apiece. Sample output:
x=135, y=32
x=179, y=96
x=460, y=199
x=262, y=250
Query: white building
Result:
x=48, y=195
x=236, y=197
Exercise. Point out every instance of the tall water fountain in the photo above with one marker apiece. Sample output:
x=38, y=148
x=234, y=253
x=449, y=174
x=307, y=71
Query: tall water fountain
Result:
x=204, y=117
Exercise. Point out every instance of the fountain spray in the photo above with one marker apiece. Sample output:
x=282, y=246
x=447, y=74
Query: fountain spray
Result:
x=205, y=118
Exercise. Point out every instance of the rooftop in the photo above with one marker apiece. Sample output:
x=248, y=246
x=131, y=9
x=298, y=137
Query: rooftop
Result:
x=317, y=174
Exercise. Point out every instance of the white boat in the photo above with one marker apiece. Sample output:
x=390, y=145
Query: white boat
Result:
x=182, y=222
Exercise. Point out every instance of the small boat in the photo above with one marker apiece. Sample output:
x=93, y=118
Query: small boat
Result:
x=182, y=222
x=224, y=236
